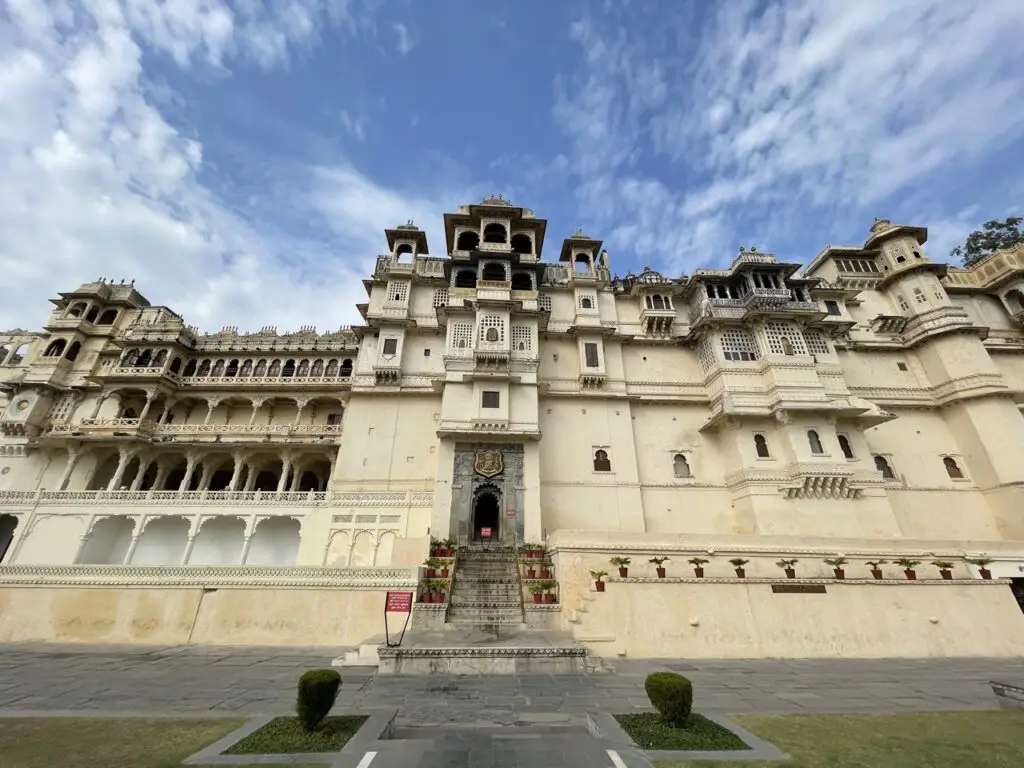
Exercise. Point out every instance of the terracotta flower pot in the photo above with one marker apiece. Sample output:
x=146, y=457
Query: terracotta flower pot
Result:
x=839, y=572
x=545, y=573
x=531, y=573
x=537, y=597
x=599, y=586
x=623, y=573
x=661, y=573
x=698, y=572
x=790, y=573
x=425, y=597
x=431, y=573
x=985, y=573
x=440, y=597
x=741, y=573
x=444, y=573
x=549, y=597
x=911, y=575
x=947, y=574
x=877, y=573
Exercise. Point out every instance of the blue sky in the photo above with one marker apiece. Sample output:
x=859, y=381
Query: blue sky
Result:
x=241, y=159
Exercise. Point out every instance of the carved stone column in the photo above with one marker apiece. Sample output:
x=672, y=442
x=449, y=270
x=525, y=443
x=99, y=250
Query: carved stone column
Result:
x=210, y=405
x=286, y=466
x=301, y=403
x=190, y=468
x=257, y=403
x=74, y=455
x=237, y=471
x=122, y=463
x=145, y=409
x=140, y=475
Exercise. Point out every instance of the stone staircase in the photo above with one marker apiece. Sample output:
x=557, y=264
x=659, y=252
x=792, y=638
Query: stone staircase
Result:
x=486, y=591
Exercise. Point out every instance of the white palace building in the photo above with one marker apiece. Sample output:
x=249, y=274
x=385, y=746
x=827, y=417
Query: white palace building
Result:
x=163, y=485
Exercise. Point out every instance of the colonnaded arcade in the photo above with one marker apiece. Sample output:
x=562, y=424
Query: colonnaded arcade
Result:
x=157, y=481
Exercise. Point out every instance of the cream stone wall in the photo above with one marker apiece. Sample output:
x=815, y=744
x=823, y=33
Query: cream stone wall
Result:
x=758, y=404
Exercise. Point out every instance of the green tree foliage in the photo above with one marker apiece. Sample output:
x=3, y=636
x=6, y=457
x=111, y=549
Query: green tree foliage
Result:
x=318, y=690
x=992, y=236
x=671, y=695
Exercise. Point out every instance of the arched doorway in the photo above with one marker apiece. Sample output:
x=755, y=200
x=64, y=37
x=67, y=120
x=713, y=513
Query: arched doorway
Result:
x=486, y=513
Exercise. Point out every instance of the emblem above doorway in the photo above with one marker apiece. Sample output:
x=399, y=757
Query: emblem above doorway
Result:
x=488, y=463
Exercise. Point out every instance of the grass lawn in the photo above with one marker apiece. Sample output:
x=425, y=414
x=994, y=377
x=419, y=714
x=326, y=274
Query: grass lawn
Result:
x=104, y=742
x=650, y=731
x=284, y=735
x=921, y=740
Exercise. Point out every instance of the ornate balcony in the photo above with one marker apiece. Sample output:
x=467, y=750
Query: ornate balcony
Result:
x=657, y=322
x=148, y=428
x=493, y=290
x=276, y=382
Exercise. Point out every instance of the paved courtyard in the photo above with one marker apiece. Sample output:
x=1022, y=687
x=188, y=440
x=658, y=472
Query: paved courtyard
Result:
x=116, y=680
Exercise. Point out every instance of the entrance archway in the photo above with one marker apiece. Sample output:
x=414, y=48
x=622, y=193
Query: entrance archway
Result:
x=486, y=514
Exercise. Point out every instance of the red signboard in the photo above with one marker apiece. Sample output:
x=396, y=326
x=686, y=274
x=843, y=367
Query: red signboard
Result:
x=398, y=602
x=485, y=533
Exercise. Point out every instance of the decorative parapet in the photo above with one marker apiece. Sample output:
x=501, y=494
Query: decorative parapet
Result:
x=227, y=498
x=207, y=576
x=150, y=427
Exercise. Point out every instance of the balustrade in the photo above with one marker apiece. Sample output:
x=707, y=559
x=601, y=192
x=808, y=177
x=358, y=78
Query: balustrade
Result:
x=150, y=426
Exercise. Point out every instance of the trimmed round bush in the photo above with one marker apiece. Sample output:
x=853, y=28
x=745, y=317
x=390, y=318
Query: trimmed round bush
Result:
x=318, y=690
x=671, y=695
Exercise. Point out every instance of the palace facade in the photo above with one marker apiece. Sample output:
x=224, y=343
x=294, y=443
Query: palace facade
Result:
x=866, y=407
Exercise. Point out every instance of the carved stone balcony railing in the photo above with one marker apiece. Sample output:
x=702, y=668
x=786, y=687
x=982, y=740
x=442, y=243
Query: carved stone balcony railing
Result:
x=428, y=266
x=210, y=576
x=151, y=427
x=143, y=373
x=762, y=296
x=72, y=324
x=493, y=290
x=241, y=382
x=657, y=322
x=220, y=498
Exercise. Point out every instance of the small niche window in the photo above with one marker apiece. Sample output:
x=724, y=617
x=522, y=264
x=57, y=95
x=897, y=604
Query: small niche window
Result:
x=590, y=355
x=901, y=366
x=761, y=446
x=815, y=442
x=832, y=307
x=952, y=468
x=845, y=447
x=601, y=461
x=787, y=346
x=390, y=346
x=680, y=466
x=919, y=296
x=882, y=465
x=491, y=334
x=490, y=399
x=586, y=303
x=903, y=303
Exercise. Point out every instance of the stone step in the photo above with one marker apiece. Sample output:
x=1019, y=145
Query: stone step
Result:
x=484, y=615
x=484, y=605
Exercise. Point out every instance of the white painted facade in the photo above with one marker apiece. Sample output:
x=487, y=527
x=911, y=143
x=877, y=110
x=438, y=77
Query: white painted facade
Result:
x=870, y=403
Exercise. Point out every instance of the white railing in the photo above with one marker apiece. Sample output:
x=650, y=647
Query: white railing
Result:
x=152, y=427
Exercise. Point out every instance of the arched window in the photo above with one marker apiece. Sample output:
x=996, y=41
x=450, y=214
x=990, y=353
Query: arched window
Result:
x=73, y=350
x=175, y=365
x=108, y=318
x=246, y=369
x=218, y=369
x=845, y=447
x=403, y=250
x=130, y=357
x=883, y=466
x=190, y=368
x=491, y=334
x=952, y=469
x=56, y=348
x=521, y=282
x=289, y=368
x=468, y=241
x=346, y=367
x=261, y=369
x=129, y=413
x=680, y=466
x=787, y=347
x=318, y=368
x=232, y=369
x=521, y=243
x=465, y=278
x=332, y=368
x=91, y=315
x=76, y=310
x=160, y=358
x=495, y=233
x=586, y=303
x=204, y=368
x=601, y=461
x=582, y=264
x=815, y=442
x=275, y=369
x=142, y=361
x=1015, y=301
x=494, y=271
x=303, y=369
x=761, y=446
x=657, y=302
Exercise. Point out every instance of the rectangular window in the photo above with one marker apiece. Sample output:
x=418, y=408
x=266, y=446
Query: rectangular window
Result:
x=491, y=400
x=390, y=346
x=832, y=307
x=590, y=355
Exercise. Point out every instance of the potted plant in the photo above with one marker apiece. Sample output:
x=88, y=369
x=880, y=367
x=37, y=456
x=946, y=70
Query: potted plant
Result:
x=537, y=590
x=431, y=564
x=945, y=568
x=545, y=568
x=425, y=591
x=445, y=566
x=738, y=563
x=981, y=561
x=837, y=564
x=449, y=547
x=435, y=547
x=531, y=571
x=876, y=567
x=908, y=566
x=622, y=563
x=439, y=588
x=697, y=563
x=598, y=577
x=657, y=565
x=532, y=550
x=549, y=586
x=787, y=566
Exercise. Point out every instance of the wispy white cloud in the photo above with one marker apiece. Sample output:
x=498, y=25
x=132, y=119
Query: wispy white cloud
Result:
x=403, y=38
x=98, y=181
x=355, y=126
x=817, y=106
